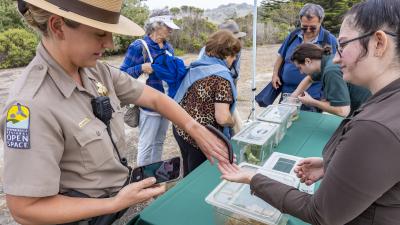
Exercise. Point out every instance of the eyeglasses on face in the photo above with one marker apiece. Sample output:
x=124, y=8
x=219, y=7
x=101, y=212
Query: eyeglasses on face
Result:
x=342, y=45
x=312, y=28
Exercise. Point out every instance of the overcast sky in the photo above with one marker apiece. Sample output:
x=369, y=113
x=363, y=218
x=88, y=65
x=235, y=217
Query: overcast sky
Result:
x=203, y=4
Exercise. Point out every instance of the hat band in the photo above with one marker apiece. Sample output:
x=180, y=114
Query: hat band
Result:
x=87, y=10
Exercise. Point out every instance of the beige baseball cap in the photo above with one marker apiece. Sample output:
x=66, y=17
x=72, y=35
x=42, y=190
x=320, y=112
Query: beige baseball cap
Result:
x=100, y=14
x=233, y=27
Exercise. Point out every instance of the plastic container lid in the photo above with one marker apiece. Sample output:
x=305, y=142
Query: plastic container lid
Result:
x=291, y=101
x=236, y=198
x=281, y=163
x=276, y=113
x=257, y=132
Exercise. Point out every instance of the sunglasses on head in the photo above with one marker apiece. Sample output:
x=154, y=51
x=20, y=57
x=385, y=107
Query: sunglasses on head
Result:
x=311, y=28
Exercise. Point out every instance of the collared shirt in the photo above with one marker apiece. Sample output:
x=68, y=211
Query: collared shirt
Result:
x=361, y=183
x=291, y=76
x=334, y=87
x=336, y=91
x=58, y=144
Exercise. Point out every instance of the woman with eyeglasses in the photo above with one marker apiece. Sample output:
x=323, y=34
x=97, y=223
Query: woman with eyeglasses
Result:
x=339, y=98
x=360, y=169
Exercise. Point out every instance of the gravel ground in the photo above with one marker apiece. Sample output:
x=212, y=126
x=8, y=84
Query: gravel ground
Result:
x=266, y=56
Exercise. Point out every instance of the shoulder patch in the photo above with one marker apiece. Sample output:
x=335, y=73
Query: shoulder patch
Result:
x=17, y=127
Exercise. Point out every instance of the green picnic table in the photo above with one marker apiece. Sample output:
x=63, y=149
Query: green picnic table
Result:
x=184, y=204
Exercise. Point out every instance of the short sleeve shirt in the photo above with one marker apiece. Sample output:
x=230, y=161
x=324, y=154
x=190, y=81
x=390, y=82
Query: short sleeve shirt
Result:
x=200, y=99
x=53, y=142
x=335, y=88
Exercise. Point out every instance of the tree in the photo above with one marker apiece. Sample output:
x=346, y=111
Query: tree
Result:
x=334, y=10
x=268, y=6
x=175, y=11
x=135, y=10
x=9, y=16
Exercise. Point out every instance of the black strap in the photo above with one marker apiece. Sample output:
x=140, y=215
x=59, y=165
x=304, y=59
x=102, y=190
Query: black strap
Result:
x=325, y=40
x=292, y=37
x=123, y=160
x=221, y=136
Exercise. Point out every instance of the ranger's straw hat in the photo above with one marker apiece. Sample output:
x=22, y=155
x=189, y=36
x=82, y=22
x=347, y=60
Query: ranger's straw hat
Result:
x=101, y=14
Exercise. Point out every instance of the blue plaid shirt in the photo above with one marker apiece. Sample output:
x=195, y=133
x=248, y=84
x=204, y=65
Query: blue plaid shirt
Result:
x=134, y=59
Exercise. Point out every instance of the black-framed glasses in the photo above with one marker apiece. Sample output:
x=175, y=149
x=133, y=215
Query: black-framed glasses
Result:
x=312, y=28
x=341, y=45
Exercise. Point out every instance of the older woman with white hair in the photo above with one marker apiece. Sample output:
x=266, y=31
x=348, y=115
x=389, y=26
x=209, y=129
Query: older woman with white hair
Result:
x=138, y=61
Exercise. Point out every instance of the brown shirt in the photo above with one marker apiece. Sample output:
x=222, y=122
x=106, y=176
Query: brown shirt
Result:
x=362, y=170
x=52, y=140
x=200, y=99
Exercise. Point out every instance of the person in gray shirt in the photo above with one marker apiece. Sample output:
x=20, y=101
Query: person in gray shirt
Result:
x=360, y=168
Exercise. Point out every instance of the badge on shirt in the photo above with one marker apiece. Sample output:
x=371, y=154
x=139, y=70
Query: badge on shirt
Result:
x=17, y=127
x=101, y=89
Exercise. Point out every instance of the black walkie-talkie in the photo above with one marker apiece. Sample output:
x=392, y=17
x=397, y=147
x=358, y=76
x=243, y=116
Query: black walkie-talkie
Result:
x=102, y=108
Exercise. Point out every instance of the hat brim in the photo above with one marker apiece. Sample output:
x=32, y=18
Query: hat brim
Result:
x=124, y=26
x=172, y=25
x=240, y=35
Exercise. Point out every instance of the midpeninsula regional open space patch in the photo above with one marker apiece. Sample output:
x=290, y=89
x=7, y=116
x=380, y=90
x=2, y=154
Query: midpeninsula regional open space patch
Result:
x=17, y=127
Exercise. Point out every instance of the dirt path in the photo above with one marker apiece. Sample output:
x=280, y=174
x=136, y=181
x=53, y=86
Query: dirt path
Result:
x=266, y=56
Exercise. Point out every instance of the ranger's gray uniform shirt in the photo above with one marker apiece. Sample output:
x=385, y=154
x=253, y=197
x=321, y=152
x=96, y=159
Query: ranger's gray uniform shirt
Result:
x=53, y=142
x=361, y=184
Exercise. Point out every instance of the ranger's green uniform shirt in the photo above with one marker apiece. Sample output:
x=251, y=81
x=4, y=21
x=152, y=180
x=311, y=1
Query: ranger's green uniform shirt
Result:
x=336, y=91
x=52, y=140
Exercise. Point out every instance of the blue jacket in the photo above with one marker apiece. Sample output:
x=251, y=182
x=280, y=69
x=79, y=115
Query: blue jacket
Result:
x=134, y=59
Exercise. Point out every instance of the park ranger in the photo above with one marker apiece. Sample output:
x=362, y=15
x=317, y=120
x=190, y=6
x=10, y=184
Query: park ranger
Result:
x=63, y=125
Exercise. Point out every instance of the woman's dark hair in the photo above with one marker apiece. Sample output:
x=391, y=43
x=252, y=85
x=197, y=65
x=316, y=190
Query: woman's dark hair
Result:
x=222, y=44
x=373, y=15
x=311, y=51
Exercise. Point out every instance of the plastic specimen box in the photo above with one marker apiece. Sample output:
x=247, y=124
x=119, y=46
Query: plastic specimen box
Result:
x=234, y=205
x=255, y=142
x=292, y=101
x=279, y=114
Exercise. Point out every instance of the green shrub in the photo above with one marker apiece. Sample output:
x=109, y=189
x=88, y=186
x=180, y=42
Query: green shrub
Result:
x=9, y=16
x=193, y=34
x=196, y=44
x=17, y=47
x=284, y=31
x=136, y=11
x=179, y=52
x=121, y=44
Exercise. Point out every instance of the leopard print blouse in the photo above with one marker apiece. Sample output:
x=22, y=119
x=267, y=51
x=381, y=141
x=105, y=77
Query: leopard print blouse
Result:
x=199, y=102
